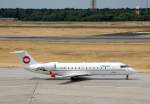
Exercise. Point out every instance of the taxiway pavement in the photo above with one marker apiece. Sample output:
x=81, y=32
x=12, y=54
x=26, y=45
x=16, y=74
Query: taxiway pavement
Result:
x=116, y=37
x=18, y=86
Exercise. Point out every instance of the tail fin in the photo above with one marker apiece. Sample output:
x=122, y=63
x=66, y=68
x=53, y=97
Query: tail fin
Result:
x=25, y=58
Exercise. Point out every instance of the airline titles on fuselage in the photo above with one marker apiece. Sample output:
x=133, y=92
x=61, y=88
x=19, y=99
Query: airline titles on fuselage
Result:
x=103, y=67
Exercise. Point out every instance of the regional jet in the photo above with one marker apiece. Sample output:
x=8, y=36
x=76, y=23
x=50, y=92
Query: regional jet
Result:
x=73, y=70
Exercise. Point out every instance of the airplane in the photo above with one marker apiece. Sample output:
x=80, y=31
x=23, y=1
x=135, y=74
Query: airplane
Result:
x=73, y=70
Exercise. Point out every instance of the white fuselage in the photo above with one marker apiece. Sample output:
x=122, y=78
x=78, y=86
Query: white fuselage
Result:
x=62, y=69
x=73, y=70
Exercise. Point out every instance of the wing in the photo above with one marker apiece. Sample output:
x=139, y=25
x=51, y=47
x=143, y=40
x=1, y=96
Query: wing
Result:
x=76, y=74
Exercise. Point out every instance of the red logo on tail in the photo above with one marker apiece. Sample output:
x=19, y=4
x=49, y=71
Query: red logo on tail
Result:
x=26, y=59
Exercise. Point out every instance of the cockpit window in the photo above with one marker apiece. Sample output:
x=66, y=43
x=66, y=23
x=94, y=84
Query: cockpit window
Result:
x=124, y=66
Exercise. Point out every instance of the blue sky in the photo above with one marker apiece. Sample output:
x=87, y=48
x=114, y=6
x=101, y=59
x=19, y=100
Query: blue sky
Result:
x=71, y=3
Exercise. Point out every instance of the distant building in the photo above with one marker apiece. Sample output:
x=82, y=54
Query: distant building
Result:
x=8, y=19
x=93, y=4
x=137, y=10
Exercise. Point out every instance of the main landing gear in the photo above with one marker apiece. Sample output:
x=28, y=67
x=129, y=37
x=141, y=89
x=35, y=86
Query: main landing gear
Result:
x=127, y=77
x=74, y=78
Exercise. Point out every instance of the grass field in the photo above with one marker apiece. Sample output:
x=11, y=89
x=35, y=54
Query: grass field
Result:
x=136, y=55
x=20, y=28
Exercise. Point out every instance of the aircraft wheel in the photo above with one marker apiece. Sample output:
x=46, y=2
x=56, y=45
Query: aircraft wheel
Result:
x=127, y=77
x=74, y=78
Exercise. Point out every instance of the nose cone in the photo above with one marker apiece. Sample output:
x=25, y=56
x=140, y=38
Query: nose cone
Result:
x=131, y=71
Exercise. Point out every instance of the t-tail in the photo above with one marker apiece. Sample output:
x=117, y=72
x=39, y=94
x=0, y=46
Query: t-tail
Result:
x=25, y=58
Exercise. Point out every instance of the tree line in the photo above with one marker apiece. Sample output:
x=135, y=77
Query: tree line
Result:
x=71, y=14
